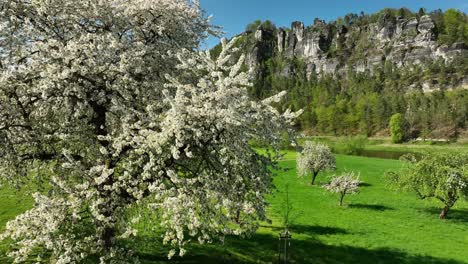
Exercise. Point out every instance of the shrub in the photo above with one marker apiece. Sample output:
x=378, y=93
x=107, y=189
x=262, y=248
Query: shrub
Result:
x=355, y=145
x=396, y=128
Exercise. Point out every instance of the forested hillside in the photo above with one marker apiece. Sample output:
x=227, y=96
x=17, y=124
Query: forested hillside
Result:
x=352, y=74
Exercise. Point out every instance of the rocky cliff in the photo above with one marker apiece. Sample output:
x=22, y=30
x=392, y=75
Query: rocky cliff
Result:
x=330, y=48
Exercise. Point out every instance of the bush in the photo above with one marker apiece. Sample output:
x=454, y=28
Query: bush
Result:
x=355, y=145
x=396, y=128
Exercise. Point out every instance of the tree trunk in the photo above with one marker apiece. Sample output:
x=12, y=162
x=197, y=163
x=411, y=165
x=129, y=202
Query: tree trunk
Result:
x=341, y=199
x=237, y=217
x=108, y=237
x=313, y=177
x=444, y=213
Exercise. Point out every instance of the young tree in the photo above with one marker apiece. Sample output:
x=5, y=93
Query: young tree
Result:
x=287, y=209
x=440, y=176
x=396, y=128
x=343, y=185
x=252, y=27
x=88, y=105
x=421, y=12
x=315, y=157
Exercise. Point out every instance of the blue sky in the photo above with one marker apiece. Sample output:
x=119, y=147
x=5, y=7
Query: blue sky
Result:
x=234, y=15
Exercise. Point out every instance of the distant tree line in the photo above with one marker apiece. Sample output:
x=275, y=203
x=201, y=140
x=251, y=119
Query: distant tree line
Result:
x=363, y=103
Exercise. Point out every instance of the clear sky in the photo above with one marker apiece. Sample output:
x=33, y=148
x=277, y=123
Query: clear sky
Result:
x=234, y=15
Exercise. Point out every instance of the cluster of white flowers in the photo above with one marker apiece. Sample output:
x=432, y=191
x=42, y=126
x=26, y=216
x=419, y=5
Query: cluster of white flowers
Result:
x=456, y=181
x=343, y=185
x=108, y=102
x=314, y=158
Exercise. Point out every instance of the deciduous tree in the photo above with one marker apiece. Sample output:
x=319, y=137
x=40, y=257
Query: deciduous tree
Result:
x=106, y=104
x=315, y=157
x=396, y=128
x=343, y=185
x=440, y=176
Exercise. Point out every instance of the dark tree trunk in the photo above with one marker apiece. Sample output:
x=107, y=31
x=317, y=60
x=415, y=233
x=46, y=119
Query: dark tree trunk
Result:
x=238, y=217
x=99, y=121
x=314, y=175
x=444, y=213
x=108, y=237
x=341, y=199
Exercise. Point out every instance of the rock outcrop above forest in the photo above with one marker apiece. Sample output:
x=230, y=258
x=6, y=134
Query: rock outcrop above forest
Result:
x=328, y=48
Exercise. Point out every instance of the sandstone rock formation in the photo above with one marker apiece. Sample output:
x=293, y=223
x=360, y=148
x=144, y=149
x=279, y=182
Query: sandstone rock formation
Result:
x=402, y=42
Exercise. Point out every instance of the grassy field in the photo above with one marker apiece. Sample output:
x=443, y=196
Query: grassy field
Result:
x=375, y=145
x=427, y=146
x=378, y=225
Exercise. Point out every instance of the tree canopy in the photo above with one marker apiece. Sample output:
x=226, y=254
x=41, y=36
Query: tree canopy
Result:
x=443, y=176
x=107, y=106
x=315, y=157
x=397, y=128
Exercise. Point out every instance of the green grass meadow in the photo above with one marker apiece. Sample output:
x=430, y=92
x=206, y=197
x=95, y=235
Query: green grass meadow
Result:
x=378, y=225
x=338, y=144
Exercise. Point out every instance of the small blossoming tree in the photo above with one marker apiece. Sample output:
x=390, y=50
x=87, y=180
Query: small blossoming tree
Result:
x=315, y=157
x=436, y=175
x=343, y=185
x=107, y=106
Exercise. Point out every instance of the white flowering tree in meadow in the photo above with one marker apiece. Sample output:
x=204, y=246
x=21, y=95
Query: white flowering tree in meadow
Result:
x=91, y=111
x=443, y=176
x=315, y=157
x=343, y=185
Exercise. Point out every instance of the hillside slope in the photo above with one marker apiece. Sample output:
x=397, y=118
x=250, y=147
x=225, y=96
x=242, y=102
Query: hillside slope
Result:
x=352, y=74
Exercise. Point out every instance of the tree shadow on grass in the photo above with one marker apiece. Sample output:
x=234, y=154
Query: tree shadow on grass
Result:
x=455, y=215
x=263, y=248
x=309, y=229
x=317, y=230
x=364, y=184
x=375, y=207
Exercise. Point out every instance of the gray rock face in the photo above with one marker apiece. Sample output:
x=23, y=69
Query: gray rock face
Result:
x=281, y=36
x=402, y=42
x=426, y=25
x=258, y=35
x=325, y=50
x=251, y=59
x=296, y=35
x=411, y=25
x=305, y=43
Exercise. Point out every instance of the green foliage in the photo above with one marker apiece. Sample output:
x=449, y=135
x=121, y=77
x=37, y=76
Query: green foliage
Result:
x=404, y=12
x=268, y=25
x=354, y=145
x=323, y=233
x=440, y=176
x=362, y=103
x=288, y=211
x=257, y=24
x=454, y=28
x=396, y=128
x=252, y=27
x=216, y=50
x=421, y=12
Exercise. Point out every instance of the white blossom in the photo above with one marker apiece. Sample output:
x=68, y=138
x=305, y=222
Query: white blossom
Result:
x=343, y=185
x=87, y=77
x=314, y=158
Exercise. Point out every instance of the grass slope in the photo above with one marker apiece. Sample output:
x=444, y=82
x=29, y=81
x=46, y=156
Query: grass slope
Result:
x=384, y=144
x=376, y=226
